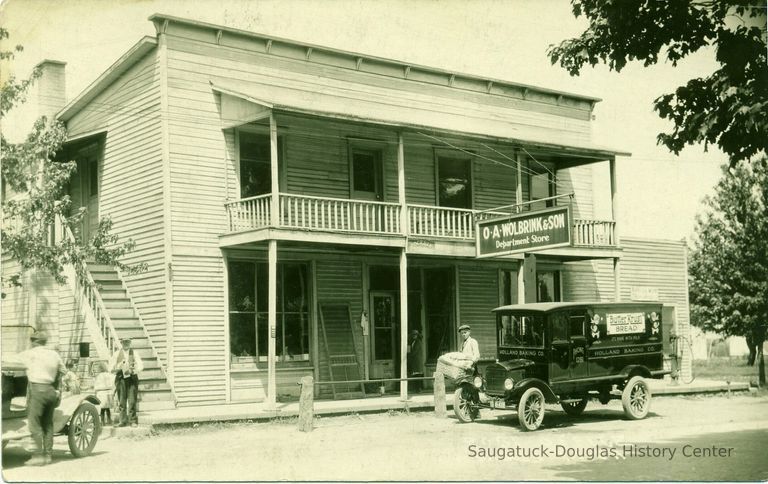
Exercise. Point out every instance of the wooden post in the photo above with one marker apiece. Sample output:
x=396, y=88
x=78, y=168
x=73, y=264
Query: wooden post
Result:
x=271, y=403
x=529, y=278
x=306, y=404
x=403, y=325
x=440, y=407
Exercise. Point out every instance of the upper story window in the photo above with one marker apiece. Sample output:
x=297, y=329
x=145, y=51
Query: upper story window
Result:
x=542, y=185
x=365, y=170
x=93, y=176
x=255, y=168
x=454, y=180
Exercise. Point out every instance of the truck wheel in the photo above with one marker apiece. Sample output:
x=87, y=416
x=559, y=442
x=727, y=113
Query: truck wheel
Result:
x=530, y=410
x=84, y=429
x=574, y=409
x=463, y=407
x=636, y=398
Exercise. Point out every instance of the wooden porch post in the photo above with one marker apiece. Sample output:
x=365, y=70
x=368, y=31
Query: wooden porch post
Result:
x=614, y=213
x=519, y=187
x=272, y=323
x=403, y=324
x=275, y=208
x=404, y=225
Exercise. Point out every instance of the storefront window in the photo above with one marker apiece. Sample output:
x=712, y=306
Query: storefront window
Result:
x=548, y=286
x=248, y=313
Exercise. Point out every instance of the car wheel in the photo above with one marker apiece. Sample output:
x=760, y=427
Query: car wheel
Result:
x=636, y=398
x=5, y=442
x=84, y=430
x=574, y=409
x=463, y=407
x=530, y=410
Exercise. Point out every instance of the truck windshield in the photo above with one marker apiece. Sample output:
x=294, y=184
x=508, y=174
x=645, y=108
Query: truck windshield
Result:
x=520, y=329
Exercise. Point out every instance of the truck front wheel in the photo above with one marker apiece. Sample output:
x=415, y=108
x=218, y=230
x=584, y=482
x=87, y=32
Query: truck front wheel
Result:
x=530, y=410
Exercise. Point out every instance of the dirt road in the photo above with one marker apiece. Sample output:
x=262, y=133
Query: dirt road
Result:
x=683, y=438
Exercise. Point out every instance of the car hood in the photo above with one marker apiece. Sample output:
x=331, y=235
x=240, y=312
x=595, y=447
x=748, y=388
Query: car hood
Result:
x=515, y=364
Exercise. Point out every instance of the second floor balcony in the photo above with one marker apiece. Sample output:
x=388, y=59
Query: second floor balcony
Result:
x=380, y=223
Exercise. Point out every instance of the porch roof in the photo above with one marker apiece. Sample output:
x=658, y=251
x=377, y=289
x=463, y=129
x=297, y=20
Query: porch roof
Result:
x=244, y=102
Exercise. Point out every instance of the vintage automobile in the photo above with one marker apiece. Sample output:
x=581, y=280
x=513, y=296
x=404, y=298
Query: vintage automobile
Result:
x=568, y=353
x=77, y=416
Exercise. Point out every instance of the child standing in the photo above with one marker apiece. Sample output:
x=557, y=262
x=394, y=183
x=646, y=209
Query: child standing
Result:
x=104, y=386
x=70, y=381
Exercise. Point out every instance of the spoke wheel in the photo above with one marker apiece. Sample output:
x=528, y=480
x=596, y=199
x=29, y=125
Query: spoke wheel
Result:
x=84, y=429
x=636, y=398
x=530, y=410
x=463, y=406
x=574, y=409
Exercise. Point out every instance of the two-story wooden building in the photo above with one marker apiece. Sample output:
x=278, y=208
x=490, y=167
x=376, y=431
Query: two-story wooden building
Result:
x=300, y=209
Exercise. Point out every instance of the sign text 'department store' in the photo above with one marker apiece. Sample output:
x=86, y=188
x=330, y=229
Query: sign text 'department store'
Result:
x=524, y=232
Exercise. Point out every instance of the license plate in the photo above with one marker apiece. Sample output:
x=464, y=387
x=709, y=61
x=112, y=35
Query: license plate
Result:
x=496, y=403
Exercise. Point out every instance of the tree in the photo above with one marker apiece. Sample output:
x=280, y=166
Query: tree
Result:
x=729, y=259
x=31, y=171
x=728, y=108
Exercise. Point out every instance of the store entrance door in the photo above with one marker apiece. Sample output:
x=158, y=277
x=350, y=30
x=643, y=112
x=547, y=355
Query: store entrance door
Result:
x=384, y=333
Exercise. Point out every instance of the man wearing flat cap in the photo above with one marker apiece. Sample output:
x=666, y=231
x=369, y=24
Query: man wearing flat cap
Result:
x=469, y=344
x=126, y=364
x=45, y=369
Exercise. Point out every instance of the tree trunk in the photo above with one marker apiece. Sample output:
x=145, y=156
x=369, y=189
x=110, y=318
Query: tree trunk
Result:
x=761, y=362
x=752, y=349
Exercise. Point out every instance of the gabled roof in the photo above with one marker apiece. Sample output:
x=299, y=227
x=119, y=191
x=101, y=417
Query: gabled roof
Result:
x=134, y=54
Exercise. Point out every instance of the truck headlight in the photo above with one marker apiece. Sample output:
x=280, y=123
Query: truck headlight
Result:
x=509, y=383
x=478, y=382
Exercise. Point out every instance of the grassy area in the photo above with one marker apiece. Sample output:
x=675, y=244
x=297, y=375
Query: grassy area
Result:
x=733, y=369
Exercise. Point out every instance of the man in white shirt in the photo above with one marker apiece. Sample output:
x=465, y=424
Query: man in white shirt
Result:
x=469, y=344
x=126, y=365
x=45, y=369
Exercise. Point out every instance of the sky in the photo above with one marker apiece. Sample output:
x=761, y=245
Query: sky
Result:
x=659, y=193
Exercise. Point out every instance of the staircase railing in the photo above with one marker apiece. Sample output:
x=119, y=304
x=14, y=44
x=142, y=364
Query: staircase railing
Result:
x=92, y=307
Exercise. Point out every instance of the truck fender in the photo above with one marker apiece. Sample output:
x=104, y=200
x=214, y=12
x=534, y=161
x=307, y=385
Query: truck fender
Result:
x=635, y=370
x=527, y=383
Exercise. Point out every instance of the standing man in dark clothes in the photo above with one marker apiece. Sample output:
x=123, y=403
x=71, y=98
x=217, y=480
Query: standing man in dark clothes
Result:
x=126, y=364
x=415, y=360
x=45, y=370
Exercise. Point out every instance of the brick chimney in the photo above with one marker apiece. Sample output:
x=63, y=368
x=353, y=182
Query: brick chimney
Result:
x=50, y=88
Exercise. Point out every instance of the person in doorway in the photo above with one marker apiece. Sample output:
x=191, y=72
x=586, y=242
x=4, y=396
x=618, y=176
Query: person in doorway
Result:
x=415, y=360
x=126, y=364
x=45, y=370
x=104, y=386
x=469, y=344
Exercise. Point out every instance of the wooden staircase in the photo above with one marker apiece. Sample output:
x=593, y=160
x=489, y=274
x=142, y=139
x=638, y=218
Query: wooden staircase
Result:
x=154, y=391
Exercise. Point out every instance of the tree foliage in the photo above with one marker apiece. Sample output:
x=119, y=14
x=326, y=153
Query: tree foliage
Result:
x=34, y=196
x=729, y=108
x=728, y=263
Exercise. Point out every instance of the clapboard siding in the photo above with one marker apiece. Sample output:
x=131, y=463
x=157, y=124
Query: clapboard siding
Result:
x=657, y=264
x=336, y=65
x=577, y=180
x=478, y=296
x=274, y=72
x=588, y=281
x=198, y=330
x=131, y=181
x=339, y=281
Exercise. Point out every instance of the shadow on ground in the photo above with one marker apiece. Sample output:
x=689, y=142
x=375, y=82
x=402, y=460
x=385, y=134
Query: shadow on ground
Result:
x=737, y=456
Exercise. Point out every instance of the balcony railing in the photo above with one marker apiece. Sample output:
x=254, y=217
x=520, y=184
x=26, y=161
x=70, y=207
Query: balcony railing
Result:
x=594, y=233
x=303, y=212
x=339, y=215
x=443, y=222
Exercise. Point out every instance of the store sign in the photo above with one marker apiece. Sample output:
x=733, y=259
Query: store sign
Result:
x=642, y=293
x=524, y=232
